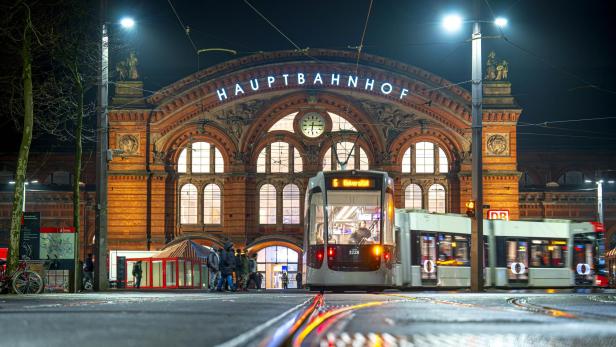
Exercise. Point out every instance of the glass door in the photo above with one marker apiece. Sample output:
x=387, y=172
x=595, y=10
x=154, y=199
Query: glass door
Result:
x=517, y=261
x=428, y=258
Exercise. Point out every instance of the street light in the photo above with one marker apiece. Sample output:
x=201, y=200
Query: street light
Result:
x=451, y=23
x=23, y=207
x=102, y=148
x=599, y=183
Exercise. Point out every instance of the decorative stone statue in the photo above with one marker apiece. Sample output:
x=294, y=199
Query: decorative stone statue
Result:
x=127, y=69
x=502, y=70
x=491, y=66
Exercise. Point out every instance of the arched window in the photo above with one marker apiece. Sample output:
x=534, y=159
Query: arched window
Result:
x=443, y=163
x=436, y=198
x=182, y=160
x=339, y=123
x=406, y=161
x=279, y=159
x=285, y=123
x=290, y=204
x=267, y=204
x=424, y=157
x=188, y=204
x=211, y=204
x=346, y=150
x=413, y=196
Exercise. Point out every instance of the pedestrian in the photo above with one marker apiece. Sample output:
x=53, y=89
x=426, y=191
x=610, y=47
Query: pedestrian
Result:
x=285, y=280
x=259, y=280
x=213, y=264
x=252, y=271
x=238, y=270
x=245, y=270
x=137, y=271
x=88, y=273
x=227, y=266
x=298, y=279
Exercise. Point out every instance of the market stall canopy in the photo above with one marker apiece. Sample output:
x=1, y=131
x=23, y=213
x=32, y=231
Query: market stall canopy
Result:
x=186, y=249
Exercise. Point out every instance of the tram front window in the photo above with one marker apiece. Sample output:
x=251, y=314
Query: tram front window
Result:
x=354, y=217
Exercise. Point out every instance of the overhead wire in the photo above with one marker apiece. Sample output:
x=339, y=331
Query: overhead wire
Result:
x=184, y=27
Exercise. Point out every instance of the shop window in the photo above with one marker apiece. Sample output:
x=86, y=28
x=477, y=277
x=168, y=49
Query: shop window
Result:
x=548, y=253
x=211, y=204
x=345, y=151
x=424, y=157
x=436, y=198
x=284, y=124
x=267, y=204
x=413, y=196
x=453, y=250
x=290, y=204
x=171, y=273
x=188, y=204
x=157, y=273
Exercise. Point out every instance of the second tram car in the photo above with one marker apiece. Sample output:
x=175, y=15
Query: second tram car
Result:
x=349, y=241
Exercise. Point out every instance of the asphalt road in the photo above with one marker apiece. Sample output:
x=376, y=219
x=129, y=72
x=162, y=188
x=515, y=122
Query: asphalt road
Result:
x=535, y=318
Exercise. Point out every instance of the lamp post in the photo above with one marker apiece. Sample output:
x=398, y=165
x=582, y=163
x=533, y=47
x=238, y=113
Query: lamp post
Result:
x=454, y=23
x=599, y=182
x=23, y=207
x=103, y=155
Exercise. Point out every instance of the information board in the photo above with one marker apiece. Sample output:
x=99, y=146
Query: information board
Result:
x=29, y=238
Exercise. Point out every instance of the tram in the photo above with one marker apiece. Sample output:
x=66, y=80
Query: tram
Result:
x=433, y=250
x=588, y=256
x=348, y=240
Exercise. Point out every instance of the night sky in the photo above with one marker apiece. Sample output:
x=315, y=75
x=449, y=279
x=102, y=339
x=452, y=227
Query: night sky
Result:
x=560, y=53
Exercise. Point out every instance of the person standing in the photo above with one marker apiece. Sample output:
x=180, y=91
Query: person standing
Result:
x=213, y=264
x=259, y=280
x=137, y=271
x=88, y=273
x=238, y=270
x=298, y=280
x=227, y=266
x=285, y=280
x=245, y=270
x=252, y=269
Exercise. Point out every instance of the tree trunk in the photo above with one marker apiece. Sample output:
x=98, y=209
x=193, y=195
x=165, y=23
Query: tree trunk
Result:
x=77, y=176
x=24, y=149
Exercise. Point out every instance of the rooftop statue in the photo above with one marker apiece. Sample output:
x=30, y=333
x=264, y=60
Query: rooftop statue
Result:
x=496, y=71
x=127, y=69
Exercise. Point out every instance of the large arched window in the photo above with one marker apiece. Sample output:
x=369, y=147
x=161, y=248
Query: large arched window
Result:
x=443, y=163
x=267, y=204
x=413, y=196
x=284, y=124
x=211, y=204
x=279, y=157
x=423, y=159
x=188, y=204
x=203, y=158
x=436, y=198
x=290, y=204
x=345, y=151
x=339, y=123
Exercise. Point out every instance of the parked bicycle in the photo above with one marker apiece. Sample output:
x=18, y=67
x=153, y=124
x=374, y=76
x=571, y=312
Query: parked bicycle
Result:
x=22, y=280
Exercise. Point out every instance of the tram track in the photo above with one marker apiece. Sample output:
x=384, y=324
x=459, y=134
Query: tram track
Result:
x=523, y=303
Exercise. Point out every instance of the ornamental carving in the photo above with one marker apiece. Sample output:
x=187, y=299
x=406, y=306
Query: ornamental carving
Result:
x=241, y=157
x=391, y=120
x=237, y=117
x=312, y=153
x=497, y=144
x=129, y=144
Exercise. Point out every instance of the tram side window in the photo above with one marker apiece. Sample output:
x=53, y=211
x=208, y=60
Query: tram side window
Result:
x=548, y=253
x=318, y=220
x=453, y=250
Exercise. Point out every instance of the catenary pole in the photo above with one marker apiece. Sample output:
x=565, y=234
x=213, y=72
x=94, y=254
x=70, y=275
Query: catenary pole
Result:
x=477, y=280
x=101, y=278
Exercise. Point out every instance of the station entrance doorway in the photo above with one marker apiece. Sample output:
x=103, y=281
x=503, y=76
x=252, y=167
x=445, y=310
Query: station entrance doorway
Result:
x=272, y=261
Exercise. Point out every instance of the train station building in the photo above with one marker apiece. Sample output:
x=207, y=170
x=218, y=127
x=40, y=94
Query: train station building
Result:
x=226, y=153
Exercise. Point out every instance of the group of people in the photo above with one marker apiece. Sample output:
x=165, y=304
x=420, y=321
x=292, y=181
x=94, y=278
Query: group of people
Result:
x=224, y=263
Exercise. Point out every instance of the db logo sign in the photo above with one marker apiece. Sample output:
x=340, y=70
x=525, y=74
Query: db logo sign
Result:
x=498, y=214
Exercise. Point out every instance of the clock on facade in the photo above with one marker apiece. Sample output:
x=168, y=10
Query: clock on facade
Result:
x=312, y=124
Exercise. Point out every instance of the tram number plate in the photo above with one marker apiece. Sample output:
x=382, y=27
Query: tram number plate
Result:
x=353, y=251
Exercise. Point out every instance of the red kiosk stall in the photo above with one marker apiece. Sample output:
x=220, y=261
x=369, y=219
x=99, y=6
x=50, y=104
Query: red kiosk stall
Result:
x=181, y=265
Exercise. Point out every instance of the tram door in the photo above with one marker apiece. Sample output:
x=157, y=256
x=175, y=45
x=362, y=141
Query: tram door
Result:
x=517, y=261
x=583, y=261
x=428, y=258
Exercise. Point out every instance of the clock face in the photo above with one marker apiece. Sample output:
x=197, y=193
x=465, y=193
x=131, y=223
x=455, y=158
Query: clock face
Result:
x=312, y=124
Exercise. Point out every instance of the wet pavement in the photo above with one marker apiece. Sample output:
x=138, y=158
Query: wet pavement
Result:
x=519, y=318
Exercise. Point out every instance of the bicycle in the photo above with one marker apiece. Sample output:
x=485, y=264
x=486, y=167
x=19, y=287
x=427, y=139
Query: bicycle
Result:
x=22, y=280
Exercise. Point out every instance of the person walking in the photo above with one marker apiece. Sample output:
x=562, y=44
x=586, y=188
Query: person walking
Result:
x=137, y=271
x=213, y=264
x=285, y=280
x=298, y=280
x=227, y=266
x=245, y=270
x=88, y=273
